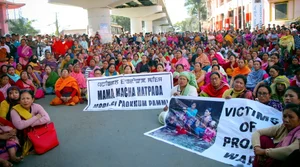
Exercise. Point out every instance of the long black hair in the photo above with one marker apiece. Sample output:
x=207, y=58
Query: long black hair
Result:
x=11, y=102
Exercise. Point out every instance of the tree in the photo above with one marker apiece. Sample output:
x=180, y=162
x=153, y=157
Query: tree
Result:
x=189, y=24
x=198, y=9
x=122, y=21
x=22, y=26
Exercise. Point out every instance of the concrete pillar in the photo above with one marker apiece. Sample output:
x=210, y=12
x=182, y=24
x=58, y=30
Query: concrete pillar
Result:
x=99, y=21
x=148, y=26
x=136, y=25
x=3, y=23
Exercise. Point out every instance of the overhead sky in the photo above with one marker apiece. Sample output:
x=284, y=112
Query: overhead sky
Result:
x=73, y=17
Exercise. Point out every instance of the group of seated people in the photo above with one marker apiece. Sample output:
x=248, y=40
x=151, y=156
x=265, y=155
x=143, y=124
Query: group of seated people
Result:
x=207, y=68
x=18, y=114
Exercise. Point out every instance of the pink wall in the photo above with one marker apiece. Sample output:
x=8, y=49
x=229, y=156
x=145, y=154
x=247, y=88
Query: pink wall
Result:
x=3, y=24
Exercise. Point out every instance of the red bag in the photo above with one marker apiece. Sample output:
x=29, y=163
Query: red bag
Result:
x=43, y=138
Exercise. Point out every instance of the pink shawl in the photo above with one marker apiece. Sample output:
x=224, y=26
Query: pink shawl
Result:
x=290, y=138
x=220, y=59
x=4, y=89
x=80, y=79
x=219, y=38
x=24, y=51
x=184, y=62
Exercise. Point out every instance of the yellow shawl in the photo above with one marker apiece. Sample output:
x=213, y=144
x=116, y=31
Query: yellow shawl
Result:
x=287, y=41
x=25, y=114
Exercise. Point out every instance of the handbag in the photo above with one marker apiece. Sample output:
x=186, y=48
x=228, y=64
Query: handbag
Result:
x=43, y=138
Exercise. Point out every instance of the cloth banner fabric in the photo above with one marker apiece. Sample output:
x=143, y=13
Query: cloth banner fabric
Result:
x=129, y=92
x=257, y=13
x=216, y=128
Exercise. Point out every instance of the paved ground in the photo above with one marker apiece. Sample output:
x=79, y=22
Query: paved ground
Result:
x=110, y=139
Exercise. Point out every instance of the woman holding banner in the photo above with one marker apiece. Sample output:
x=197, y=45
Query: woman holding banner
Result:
x=273, y=145
x=187, y=86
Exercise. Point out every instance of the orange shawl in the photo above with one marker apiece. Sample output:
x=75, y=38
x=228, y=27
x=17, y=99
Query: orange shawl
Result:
x=67, y=82
x=243, y=71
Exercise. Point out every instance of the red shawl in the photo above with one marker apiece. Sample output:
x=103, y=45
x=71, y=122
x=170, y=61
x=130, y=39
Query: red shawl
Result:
x=20, y=84
x=212, y=92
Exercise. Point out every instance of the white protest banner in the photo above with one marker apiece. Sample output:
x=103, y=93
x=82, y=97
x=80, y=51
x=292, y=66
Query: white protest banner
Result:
x=129, y=92
x=258, y=13
x=216, y=128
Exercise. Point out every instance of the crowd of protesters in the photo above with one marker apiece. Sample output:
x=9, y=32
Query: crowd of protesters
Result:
x=260, y=65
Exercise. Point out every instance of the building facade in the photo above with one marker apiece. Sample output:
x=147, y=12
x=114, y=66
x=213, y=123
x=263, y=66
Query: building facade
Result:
x=4, y=7
x=239, y=14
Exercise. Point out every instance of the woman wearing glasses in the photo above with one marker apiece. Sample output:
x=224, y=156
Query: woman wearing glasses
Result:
x=263, y=95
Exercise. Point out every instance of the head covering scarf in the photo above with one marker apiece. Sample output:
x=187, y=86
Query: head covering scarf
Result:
x=191, y=82
x=280, y=80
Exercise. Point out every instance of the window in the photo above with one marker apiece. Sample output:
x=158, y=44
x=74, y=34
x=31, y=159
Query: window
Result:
x=281, y=11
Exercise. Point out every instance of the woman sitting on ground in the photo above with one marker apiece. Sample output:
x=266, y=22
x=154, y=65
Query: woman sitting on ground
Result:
x=67, y=90
x=76, y=73
x=263, y=95
x=27, y=115
x=273, y=145
x=49, y=79
x=256, y=75
x=24, y=83
x=97, y=73
x=273, y=73
x=128, y=69
x=111, y=71
x=187, y=86
x=50, y=61
x=19, y=69
x=13, y=97
x=13, y=78
x=4, y=81
x=292, y=95
x=216, y=87
x=242, y=69
x=6, y=127
x=179, y=69
x=214, y=68
x=239, y=89
x=35, y=77
x=24, y=52
x=200, y=75
x=281, y=83
x=36, y=66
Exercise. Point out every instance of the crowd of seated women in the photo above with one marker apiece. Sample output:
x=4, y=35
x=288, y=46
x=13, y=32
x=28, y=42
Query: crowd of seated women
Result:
x=262, y=65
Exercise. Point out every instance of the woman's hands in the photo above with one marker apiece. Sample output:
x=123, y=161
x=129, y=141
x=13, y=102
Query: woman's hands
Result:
x=228, y=97
x=176, y=94
x=38, y=116
x=259, y=151
x=65, y=99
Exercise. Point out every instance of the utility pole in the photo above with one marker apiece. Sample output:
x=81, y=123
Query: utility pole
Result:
x=56, y=25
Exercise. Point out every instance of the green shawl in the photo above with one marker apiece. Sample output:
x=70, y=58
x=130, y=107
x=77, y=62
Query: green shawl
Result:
x=51, y=80
x=191, y=82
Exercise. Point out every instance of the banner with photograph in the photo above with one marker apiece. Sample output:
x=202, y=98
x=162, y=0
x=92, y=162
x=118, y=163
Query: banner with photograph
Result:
x=129, y=92
x=216, y=128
